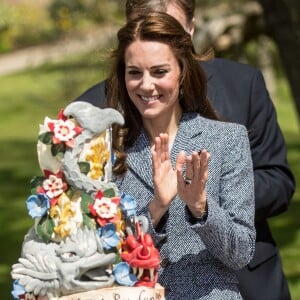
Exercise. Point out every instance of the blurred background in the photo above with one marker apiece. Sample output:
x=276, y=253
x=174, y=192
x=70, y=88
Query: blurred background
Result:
x=53, y=50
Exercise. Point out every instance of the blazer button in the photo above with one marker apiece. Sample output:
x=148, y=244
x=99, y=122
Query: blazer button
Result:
x=164, y=262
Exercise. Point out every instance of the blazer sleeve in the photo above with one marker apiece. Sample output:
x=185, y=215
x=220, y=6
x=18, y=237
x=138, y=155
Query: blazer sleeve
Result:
x=274, y=181
x=229, y=232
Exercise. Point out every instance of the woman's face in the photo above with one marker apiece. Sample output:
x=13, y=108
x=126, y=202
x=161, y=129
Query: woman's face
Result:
x=152, y=76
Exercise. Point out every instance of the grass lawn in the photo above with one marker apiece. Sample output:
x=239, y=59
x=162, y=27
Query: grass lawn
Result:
x=26, y=98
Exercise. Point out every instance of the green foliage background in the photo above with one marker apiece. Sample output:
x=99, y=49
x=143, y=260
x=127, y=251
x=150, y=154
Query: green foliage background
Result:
x=28, y=23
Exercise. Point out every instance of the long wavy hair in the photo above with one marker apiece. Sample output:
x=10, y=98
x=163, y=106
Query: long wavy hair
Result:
x=159, y=27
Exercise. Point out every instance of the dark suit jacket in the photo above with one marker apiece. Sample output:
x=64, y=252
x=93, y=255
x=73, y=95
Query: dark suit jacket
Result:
x=238, y=93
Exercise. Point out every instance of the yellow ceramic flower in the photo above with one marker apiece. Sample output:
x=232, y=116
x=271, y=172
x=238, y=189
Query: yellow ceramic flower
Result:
x=63, y=214
x=98, y=156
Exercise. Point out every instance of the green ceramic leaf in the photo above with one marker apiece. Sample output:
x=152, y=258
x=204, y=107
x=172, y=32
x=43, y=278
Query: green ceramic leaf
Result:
x=46, y=137
x=35, y=183
x=109, y=193
x=58, y=149
x=45, y=228
x=86, y=199
x=84, y=167
x=88, y=221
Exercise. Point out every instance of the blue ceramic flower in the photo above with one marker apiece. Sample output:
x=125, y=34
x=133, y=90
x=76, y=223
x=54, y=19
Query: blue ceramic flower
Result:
x=121, y=272
x=128, y=205
x=37, y=205
x=109, y=236
x=18, y=290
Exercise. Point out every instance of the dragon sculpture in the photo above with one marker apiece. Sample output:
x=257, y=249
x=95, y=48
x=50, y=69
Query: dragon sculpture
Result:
x=74, y=265
x=82, y=225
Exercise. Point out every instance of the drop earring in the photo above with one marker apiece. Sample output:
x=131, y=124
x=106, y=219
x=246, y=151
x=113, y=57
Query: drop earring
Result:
x=181, y=93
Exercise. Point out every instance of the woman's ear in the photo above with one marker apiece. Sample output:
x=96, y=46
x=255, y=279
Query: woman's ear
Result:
x=191, y=27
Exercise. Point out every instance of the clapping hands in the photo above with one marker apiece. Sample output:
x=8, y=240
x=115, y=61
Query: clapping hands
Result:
x=169, y=182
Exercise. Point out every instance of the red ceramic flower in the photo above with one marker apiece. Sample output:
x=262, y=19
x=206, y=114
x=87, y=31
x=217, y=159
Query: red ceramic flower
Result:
x=105, y=209
x=64, y=130
x=53, y=186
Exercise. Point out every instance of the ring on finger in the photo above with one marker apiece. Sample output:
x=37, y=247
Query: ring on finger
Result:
x=188, y=181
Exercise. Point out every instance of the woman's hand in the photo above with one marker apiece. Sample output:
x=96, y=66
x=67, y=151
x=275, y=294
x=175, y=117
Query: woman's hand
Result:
x=191, y=189
x=164, y=178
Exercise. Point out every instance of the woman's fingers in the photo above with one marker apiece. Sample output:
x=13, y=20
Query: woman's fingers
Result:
x=180, y=161
x=200, y=166
x=189, y=173
x=191, y=189
x=156, y=154
x=196, y=171
x=164, y=137
x=204, y=157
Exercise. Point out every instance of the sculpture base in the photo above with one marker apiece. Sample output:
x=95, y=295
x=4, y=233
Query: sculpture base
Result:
x=120, y=293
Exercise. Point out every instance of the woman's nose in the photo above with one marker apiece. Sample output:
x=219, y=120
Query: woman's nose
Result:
x=147, y=83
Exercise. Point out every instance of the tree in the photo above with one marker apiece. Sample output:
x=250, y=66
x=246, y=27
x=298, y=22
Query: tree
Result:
x=282, y=19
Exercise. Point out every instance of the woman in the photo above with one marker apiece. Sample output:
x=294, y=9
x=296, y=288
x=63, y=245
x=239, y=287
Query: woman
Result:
x=190, y=173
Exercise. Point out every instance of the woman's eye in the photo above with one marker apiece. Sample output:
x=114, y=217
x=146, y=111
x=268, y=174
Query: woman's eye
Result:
x=160, y=71
x=134, y=72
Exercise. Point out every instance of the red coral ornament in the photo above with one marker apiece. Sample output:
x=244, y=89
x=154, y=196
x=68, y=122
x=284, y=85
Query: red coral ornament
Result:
x=142, y=256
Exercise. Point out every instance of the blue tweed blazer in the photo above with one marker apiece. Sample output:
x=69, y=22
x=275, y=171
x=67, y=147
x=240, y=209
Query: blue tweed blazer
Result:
x=198, y=260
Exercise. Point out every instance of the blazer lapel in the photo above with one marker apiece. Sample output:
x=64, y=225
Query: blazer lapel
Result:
x=189, y=128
